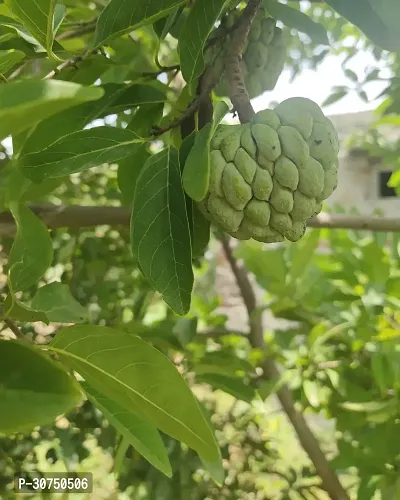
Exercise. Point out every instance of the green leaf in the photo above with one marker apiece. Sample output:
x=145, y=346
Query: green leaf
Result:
x=27, y=102
x=15, y=309
x=310, y=389
x=196, y=173
x=59, y=15
x=147, y=116
x=38, y=17
x=336, y=96
x=128, y=172
x=368, y=406
x=186, y=329
x=303, y=253
x=123, y=97
x=79, y=151
x=32, y=251
x=200, y=235
x=9, y=58
x=74, y=119
x=160, y=236
x=378, y=20
x=234, y=386
x=59, y=305
x=143, y=437
x=139, y=378
x=195, y=31
x=121, y=16
x=34, y=390
x=296, y=19
x=267, y=265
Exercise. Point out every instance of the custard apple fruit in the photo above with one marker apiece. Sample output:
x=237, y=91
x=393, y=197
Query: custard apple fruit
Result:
x=268, y=177
x=263, y=57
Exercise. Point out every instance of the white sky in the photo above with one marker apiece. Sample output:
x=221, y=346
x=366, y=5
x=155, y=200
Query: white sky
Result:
x=317, y=85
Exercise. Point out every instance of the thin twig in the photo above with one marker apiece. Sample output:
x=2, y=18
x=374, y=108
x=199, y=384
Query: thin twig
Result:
x=82, y=29
x=14, y=328
x=330, y=481
x=72, y=62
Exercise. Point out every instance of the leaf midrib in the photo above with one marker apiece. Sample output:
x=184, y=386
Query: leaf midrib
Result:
x=86, y=153
x=130, y=389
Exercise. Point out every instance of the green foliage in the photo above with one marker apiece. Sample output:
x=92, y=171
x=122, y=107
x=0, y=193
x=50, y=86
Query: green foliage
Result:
x=34, y=389
x=32, y=251
x=91, y=115
x=160, y=230
x=133, y=378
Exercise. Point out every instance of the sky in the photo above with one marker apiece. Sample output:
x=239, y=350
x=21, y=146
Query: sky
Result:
x=317, y=85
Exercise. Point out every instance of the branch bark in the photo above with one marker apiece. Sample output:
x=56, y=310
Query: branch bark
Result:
x=78, y=216
x=330, y=481
x=237, y=88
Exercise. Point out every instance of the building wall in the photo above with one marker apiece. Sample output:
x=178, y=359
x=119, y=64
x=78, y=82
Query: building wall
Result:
x=358, y=185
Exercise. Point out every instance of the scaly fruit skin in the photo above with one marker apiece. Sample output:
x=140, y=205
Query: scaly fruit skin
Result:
x=263, y=58
x=270, y=176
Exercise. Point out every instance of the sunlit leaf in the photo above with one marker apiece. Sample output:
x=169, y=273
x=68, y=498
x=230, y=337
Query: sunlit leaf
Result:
x=139, y=378
x=142, y=436
x=25, y=103
x=79, y=151
x=32, y=250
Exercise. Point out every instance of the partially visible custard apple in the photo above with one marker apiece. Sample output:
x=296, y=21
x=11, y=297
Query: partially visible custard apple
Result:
x=270, y=176
x=263, y=57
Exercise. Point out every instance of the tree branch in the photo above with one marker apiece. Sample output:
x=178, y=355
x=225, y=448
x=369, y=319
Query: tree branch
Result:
x=77, y=216
x=233, y=69
x=330, y=481
x=14, y=328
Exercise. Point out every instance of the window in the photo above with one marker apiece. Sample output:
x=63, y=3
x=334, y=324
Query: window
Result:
x=384, y=190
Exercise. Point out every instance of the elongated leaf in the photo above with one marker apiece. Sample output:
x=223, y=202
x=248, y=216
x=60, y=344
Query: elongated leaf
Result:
x=200, y=232
x=160, y=232
x=234, y=386
x=128, y=172
x=379, y=20
x=194, y=34
x=74, y=119
x=26, y=103
x=335, y=97
x=134, y=95
x=32, y=250
x=59, y=305
x=79, y=151
x=139, y=378
x=142, y=436
x=368, y=406
x=121, y=16
x=9, y=58
x=196, y=174
x=296, y=19
x=34, y=389
x=38, y=17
